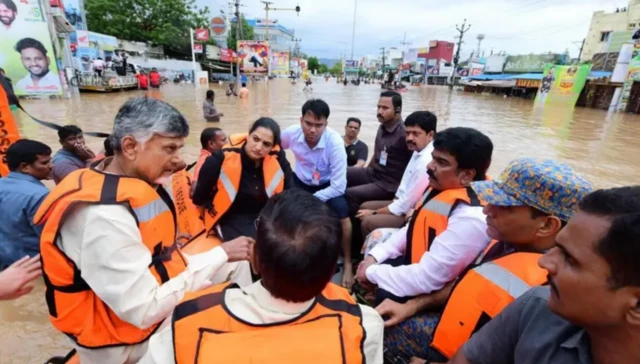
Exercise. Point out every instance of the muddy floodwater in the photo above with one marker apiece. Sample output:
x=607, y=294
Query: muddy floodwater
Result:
x=603, y=147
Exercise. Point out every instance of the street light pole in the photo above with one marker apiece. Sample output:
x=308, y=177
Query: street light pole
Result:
x=266, y=9
x=353, y=33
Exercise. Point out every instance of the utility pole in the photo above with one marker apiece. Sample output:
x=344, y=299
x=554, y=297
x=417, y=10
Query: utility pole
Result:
x=456, y=59
x=581, y=49
x=383, y=55
x=238, y=37
x=353, y=33
x=404, y=43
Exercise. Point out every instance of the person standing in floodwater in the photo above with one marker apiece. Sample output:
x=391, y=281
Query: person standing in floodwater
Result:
x=210, y=111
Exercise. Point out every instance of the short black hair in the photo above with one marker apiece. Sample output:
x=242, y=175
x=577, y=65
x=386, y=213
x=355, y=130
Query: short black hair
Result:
x=10, y=5
x=210, y=94
x=25, y=43
x=25, y=151
x=355, y=120
x=244, y=84
x=470, y=148
x=317, y=107
x=620, y=246
x=269, y=124
x=297, y=245
x=108, y=149
x=425, y=120
x=206, y=135
x=67, y=131
x=396, y=98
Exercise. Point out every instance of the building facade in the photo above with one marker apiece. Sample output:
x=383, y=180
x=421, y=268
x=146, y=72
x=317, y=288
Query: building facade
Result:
x=604, y=24
x=438, y=50
x=281, y=39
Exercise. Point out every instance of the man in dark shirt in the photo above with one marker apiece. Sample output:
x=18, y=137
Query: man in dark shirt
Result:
x=590, y=313
x=357, y=151
x=73, y=155
x=380, y=180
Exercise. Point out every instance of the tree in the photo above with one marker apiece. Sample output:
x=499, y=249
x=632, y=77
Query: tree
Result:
x=336, y=69
x=247, y=34
x=323, y=68
x=313, y=64
x=160, y=22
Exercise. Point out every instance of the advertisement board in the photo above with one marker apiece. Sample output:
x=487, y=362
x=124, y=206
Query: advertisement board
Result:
x=254, y=55
x=75, y=14
x=530, y=63
x=494, y=64
x=26, y=52
x=280, y=63
x=561, y=85
x=212, y=52
x=197, y=48
x=89, y=46
x=218, y=25
x=228, y=55
x=350, y=63
x=633, y=75
x=201, y=35
x=475, y=69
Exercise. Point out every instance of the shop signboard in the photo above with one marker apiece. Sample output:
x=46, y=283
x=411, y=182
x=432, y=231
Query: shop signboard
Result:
x=213, y=52
x=529, y=63
x=228, y=55
x=280, y=63
x=528, y=83
x=201, y=35
x=254, y=56
x=561, y=85
x=218, y=25
x=197, y=48
x=89, y=46
x=26, y=51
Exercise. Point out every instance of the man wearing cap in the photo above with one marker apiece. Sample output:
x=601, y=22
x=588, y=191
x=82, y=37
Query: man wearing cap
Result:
x=526, y=208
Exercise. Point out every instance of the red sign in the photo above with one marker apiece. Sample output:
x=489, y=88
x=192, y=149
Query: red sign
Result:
x=202, y=35
x=218, y=25
x=227, y=55
x=197, y=48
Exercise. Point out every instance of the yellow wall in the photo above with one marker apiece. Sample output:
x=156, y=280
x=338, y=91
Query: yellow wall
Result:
x=617, y=22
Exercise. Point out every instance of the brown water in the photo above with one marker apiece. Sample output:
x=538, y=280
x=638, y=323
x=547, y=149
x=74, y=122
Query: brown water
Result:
x=604, y=147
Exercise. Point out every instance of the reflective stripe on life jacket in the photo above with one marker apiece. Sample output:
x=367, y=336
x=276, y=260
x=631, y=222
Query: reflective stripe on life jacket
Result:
x=482, y=293
x=74, y=308
x=432, y=217
x=231, y=173
x=187, y=214
x=205, y=331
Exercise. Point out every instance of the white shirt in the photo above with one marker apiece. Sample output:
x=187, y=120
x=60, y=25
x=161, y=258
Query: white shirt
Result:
x=50, y=83
x=415, y=181
x=255, y=305
x=98, y=64
x=450, y=253
x=105, y=244
x=328, y=157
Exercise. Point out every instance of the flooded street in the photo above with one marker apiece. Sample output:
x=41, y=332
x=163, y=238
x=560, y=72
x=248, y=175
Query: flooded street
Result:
x=603, y=147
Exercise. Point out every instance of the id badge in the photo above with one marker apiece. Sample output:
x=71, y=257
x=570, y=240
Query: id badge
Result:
x=383, y=158
x=315, y=178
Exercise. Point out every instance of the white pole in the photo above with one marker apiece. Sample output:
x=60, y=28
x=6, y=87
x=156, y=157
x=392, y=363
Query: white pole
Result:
x=353, y=33
x=193, y=55
x=268, y=45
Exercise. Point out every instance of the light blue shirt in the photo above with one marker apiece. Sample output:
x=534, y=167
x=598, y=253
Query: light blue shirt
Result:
x=329, y=158
x=20, y=197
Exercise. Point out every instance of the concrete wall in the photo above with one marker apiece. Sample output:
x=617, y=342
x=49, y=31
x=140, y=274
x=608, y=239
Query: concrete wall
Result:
x=609, y=21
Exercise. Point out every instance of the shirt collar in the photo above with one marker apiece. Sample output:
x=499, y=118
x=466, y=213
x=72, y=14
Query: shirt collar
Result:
x=24, y=177
x=426, y=150
x=393, y=127
x=205, y=153
x=579, y=341
x=265, y=300
x=322, y=143
x=354, y=142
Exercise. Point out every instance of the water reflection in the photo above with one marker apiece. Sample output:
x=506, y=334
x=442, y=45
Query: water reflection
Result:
x=604, y=147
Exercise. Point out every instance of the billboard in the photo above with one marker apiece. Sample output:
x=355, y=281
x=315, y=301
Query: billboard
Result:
x=254, y=55
x=280, y=63
x=561, y=85
x=530, y=63
x=228, y=55
x=74, y=12
x=88, y=46
x=26, y=52
x=201, y=35
x=494, y=64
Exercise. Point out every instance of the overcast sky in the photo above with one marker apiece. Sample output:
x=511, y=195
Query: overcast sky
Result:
x=514, y=26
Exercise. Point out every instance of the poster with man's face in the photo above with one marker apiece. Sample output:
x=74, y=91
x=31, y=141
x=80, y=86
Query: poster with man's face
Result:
x=26, y=52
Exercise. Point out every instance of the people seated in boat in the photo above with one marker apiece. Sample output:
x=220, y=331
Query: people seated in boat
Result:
x=211, y=140
x=235, y=183
x=447, y=231
x=112, y=267
x=292, y=315
x=73, y=155
x=589, y=312
x=526, y=208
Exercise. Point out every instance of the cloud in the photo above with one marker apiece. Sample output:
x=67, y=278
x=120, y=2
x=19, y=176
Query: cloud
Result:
x=513, y=26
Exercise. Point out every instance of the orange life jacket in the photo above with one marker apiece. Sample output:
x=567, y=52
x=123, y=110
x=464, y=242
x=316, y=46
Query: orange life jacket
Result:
x=74, y=308
x=432, y=217
x=330, y=331
x=231, y=173
x=188, y=215
x=483, y=292
x=9, y=133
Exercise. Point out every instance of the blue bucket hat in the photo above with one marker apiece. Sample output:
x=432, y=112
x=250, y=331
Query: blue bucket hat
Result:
x=549, y=186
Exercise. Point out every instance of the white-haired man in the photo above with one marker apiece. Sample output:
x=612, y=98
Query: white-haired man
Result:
x=112, y=268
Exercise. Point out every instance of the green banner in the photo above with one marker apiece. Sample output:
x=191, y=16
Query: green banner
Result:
x=561, y=85
x=529, y=63
x=26, y=51
x=633, y=75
